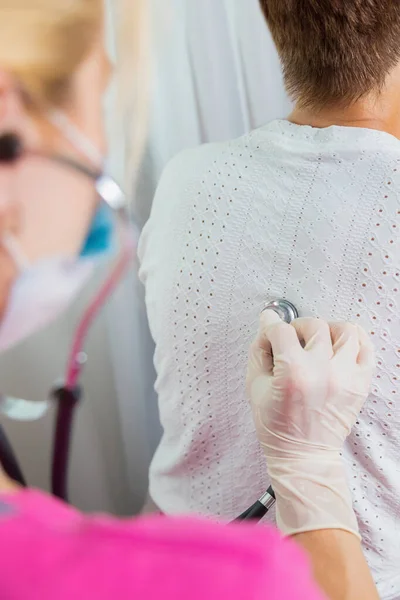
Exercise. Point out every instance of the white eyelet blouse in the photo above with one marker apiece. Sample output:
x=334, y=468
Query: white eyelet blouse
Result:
x=310, y=215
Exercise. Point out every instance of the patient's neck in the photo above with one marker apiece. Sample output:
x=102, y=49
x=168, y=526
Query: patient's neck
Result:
x=380, y=111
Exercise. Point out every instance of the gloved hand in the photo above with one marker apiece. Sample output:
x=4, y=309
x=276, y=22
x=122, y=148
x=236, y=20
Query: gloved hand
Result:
x=307, y=383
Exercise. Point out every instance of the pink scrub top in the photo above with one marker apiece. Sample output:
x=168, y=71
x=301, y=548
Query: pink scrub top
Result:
x=50, y=551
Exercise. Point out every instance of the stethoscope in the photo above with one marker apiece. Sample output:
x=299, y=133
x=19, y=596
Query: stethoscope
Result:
x=288, y=313
x=68, y=396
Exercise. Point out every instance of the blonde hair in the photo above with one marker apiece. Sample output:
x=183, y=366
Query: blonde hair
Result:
x=42, y=42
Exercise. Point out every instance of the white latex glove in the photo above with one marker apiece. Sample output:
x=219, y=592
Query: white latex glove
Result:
x=307, y=383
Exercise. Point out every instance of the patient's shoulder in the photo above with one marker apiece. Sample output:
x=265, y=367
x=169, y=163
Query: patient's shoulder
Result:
x=188, y=164
x=188, y=171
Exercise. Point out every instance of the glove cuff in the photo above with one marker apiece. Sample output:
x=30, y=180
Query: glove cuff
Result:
x=312, y=495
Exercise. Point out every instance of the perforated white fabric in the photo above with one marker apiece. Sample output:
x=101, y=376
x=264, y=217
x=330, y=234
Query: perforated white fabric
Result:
x=286, y=212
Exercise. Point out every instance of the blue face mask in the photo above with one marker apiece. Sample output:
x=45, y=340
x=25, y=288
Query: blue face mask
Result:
x=100, y=240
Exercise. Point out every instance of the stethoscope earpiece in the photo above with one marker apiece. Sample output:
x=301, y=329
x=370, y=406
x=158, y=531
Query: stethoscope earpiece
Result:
x=11, y=147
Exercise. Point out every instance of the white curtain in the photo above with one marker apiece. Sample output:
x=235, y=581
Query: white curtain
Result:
x=216, y=75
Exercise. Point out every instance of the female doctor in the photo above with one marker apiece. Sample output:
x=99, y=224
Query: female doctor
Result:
x=305, y=397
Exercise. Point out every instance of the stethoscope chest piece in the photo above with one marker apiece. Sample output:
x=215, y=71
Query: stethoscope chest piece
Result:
x=285, y=309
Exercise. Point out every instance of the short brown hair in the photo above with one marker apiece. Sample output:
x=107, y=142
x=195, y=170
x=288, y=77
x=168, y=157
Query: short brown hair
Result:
x=334, y=51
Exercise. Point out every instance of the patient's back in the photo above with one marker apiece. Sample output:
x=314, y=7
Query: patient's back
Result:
x=291, y=212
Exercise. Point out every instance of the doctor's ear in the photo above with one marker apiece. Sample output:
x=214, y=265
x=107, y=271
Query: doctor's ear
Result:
x=12, y=103
x=20, y=125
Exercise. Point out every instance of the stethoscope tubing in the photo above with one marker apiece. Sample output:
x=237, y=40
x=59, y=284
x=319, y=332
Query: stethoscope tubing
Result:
x=69, y=396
